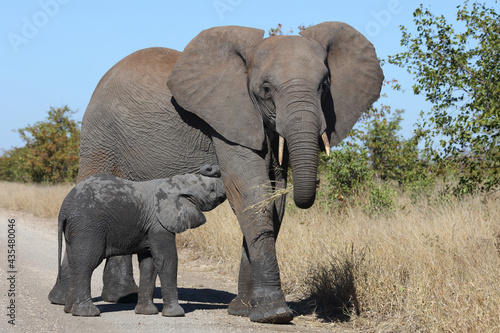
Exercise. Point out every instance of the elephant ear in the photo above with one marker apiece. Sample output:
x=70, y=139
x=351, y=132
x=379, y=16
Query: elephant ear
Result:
x=355, y=75
x=176, y=213
x=210, y=79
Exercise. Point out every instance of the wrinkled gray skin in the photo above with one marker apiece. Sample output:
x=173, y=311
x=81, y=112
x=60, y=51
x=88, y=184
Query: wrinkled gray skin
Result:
x=226, y=99
x=105, y=216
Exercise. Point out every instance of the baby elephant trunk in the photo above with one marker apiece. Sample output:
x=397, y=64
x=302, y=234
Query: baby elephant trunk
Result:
x=217, y=191
x=210, y=170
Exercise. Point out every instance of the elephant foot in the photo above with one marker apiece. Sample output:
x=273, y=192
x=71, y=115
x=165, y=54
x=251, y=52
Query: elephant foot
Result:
x=270, y=307
x=58, y=294
x=146, y=308
x=240, y=306
x=119, y=293
x=172, y=310
x=84, y=309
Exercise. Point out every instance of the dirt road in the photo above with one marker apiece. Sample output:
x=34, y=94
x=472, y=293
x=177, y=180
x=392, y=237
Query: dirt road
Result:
x=25, y=285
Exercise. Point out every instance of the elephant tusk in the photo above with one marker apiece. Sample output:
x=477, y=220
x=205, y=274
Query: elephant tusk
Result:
x=326, y=143
x=281, y=149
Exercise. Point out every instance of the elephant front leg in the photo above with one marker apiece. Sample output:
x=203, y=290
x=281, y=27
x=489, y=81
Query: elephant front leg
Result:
x=164, y=253
x=246, y=178
x=268, y=300
x=241, y=305
x=147, y=285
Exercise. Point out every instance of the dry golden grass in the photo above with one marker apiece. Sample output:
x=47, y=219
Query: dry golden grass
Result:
x=39, y=200
x=430, y=266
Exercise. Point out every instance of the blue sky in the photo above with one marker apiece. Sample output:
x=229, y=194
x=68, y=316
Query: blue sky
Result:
x=53, y=52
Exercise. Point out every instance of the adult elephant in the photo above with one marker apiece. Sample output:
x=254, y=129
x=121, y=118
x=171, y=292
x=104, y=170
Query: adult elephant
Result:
x=229, y=98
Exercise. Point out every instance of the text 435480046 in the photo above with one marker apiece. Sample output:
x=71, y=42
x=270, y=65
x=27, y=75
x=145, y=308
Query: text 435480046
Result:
x=11, y=271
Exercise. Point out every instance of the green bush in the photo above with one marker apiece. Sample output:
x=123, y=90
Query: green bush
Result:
x=392, y=156
x=51, y=151
x=347, y=172
x=364, y=169
x=381, y=200
x=11, y=165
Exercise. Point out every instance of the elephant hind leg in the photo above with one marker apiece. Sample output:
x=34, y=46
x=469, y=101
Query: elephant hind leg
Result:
x=85, y=309
x=58, y=293
x=118, y=280
x=85, y=251
x=81, y=266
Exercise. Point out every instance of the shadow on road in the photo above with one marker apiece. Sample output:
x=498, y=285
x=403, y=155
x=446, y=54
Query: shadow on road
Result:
x=204, y=299
x=191, y=299
x=308, y=306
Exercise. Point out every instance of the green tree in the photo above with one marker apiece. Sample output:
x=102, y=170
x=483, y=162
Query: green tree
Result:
x=375, y=155
x=459, y=72
x=348, y=172
x=11, y=165
x=278, y=31
x=51, y=150
x=393, y=157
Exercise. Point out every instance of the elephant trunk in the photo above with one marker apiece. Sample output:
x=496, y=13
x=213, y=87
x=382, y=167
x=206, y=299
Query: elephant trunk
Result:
x=302, y=142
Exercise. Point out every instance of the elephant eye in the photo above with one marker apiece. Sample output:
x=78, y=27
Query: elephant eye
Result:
x=266, y=88
x=325, y=85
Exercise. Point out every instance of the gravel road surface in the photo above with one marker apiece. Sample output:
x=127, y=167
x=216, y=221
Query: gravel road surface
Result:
x=203, y=293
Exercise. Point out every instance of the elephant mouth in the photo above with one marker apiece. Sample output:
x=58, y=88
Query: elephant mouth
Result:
x=192, y=199
x=281, y=147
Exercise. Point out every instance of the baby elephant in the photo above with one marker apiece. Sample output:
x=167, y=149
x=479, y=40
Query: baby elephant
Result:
x=105, y=216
